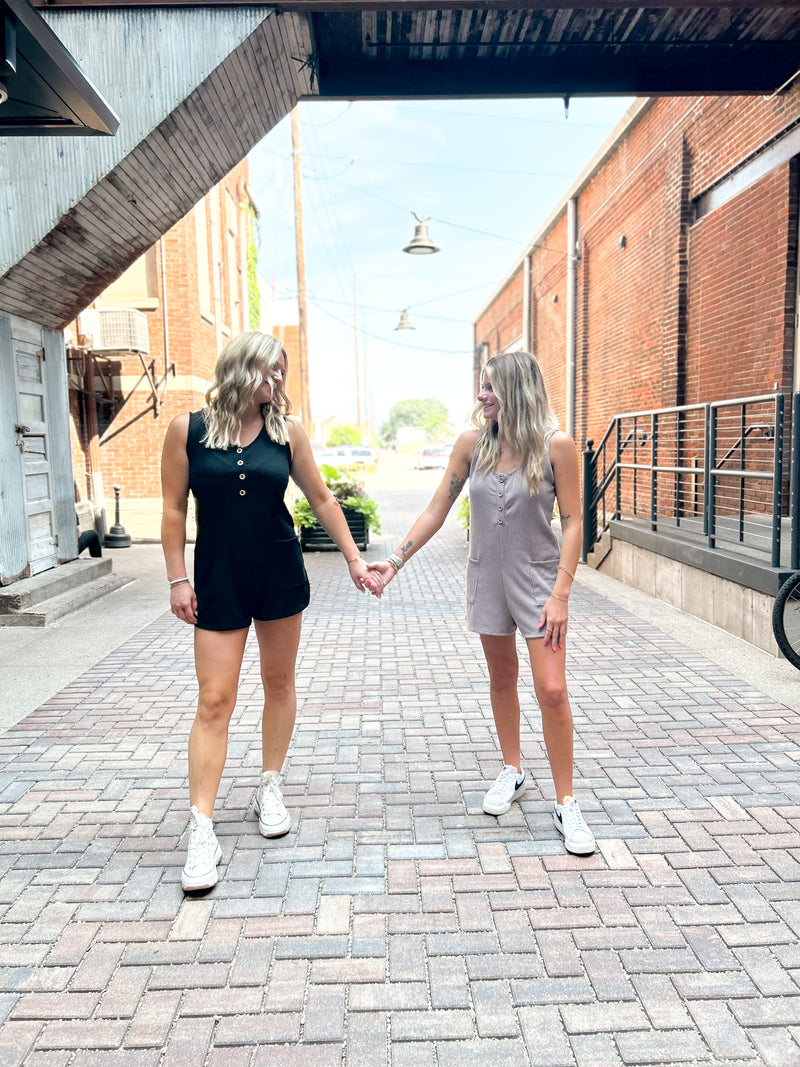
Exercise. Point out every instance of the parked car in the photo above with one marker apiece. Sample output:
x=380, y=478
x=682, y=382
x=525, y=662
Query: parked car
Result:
x=432, y=456
x=349, y=455
x=363, y=455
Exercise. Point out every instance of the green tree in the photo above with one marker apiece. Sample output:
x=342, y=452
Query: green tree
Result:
x=344, y=434
x=429, y=415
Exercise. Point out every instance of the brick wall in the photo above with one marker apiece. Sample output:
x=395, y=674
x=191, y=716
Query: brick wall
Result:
x=737, y=283
x=184, y=342
x=669, y=310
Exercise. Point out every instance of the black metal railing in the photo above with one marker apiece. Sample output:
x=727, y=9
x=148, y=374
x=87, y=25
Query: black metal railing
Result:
x=711, y=473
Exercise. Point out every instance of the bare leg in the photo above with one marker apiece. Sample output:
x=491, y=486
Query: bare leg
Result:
x=218, y=660
x=278, y=641
x=550, y=683
x=503, y=664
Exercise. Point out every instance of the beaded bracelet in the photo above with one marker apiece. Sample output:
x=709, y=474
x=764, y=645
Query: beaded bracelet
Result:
x=561, y=567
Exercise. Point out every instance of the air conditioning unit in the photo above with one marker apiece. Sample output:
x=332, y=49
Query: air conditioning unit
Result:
x=120, y=330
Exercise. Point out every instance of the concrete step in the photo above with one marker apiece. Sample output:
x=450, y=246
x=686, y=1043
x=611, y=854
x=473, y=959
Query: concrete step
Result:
x=52, y=583
x=44, y=612
x=600, y=550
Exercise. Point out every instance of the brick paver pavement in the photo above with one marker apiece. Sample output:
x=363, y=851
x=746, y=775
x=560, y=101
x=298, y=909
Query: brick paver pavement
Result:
x=397, y=923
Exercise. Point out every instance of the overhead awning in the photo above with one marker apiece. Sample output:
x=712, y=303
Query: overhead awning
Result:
x=368, y=49
x=47, y=92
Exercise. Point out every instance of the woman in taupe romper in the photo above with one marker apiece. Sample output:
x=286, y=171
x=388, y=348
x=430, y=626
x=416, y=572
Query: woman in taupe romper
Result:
x=518, y=465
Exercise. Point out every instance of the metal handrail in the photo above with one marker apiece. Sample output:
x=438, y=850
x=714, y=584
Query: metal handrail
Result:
x=605, y=468
x=766, y=426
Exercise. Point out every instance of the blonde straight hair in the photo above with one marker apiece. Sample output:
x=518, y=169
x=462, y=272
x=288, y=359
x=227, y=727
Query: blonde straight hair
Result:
x=237, y=376
x=523, y=419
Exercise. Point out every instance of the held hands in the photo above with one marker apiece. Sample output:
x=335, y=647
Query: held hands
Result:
x=362, y=579
x=383, y=570
x=183, y=602
x=554, y=620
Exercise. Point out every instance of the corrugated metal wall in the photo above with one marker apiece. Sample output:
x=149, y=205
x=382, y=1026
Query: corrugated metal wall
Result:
x=144, y=62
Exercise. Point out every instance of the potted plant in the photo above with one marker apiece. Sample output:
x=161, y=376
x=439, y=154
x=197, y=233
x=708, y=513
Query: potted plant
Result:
x=360, y=510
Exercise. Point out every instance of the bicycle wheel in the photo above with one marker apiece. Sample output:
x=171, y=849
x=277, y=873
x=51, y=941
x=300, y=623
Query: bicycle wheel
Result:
x=786, y=619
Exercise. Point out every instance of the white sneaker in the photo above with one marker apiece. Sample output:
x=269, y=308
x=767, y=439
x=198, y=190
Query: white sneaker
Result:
x=569, y=822
x=273, y=818
x=203, y=855
x=507, y=786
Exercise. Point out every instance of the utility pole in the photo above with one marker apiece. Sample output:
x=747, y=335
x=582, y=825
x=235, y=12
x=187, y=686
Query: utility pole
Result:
x=358, y=362
x=302, y=334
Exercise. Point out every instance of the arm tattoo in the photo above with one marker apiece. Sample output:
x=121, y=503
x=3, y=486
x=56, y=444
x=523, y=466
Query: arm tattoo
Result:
x=405, y=548
x=456, y=485
x=565, y=517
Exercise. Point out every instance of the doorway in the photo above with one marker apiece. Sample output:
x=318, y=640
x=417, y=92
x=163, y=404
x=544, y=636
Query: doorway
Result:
x=33, y=441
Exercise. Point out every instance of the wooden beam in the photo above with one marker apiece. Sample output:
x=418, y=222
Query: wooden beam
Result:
x=574, y=72
x=323, y=7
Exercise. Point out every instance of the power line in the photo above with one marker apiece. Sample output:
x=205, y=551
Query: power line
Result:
x=328, y=122
x=508, y=118
x=388, y=311
x=290, y=294
x=447, y=166
x=389, y=341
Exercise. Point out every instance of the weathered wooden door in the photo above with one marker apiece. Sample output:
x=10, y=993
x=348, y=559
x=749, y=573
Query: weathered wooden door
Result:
x=33, y=440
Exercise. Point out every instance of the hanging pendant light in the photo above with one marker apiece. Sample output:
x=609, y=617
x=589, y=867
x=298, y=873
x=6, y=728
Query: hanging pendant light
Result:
x=404, y=324
x=420, y=244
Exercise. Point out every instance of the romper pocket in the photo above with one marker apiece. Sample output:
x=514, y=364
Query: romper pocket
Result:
x=287, y=566
x=542, y=578
x=472, y=580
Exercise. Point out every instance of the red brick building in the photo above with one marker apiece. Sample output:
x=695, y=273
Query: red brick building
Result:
x=145, y=350
x=668, y=276
x=686, y=263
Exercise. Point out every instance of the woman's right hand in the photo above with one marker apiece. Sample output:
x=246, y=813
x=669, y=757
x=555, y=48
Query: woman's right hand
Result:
x=384, y=569
x=183, y=602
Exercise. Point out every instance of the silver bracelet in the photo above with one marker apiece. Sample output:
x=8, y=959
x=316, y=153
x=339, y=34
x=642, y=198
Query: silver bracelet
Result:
x=395, y=561
x=177, y=581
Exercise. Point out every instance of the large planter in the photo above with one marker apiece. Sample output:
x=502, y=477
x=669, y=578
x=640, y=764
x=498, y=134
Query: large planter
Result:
x=313, y=538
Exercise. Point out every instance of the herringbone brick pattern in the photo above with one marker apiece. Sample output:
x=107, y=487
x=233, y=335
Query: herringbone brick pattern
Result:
x=396, y=923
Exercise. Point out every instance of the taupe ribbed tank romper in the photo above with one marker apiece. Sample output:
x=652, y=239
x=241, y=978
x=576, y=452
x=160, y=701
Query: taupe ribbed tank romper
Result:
x=514, y=553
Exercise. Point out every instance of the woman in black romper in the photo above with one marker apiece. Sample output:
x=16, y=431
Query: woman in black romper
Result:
x=236, y=456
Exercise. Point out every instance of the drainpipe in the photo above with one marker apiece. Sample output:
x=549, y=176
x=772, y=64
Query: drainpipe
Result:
x=527, y=333
x=572, y=309
x=164, y=314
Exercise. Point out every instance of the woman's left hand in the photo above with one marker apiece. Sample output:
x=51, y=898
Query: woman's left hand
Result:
x=554, y=620
x=363, y=579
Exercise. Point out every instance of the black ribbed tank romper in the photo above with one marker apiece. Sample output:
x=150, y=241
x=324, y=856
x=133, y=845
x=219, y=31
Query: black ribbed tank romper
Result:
x=247, y=560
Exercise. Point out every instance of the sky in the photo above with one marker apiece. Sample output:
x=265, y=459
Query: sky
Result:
x=487, y=173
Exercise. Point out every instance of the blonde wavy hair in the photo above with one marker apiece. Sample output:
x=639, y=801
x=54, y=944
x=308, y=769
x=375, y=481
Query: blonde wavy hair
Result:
x=237, y=376
x=523, y=419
